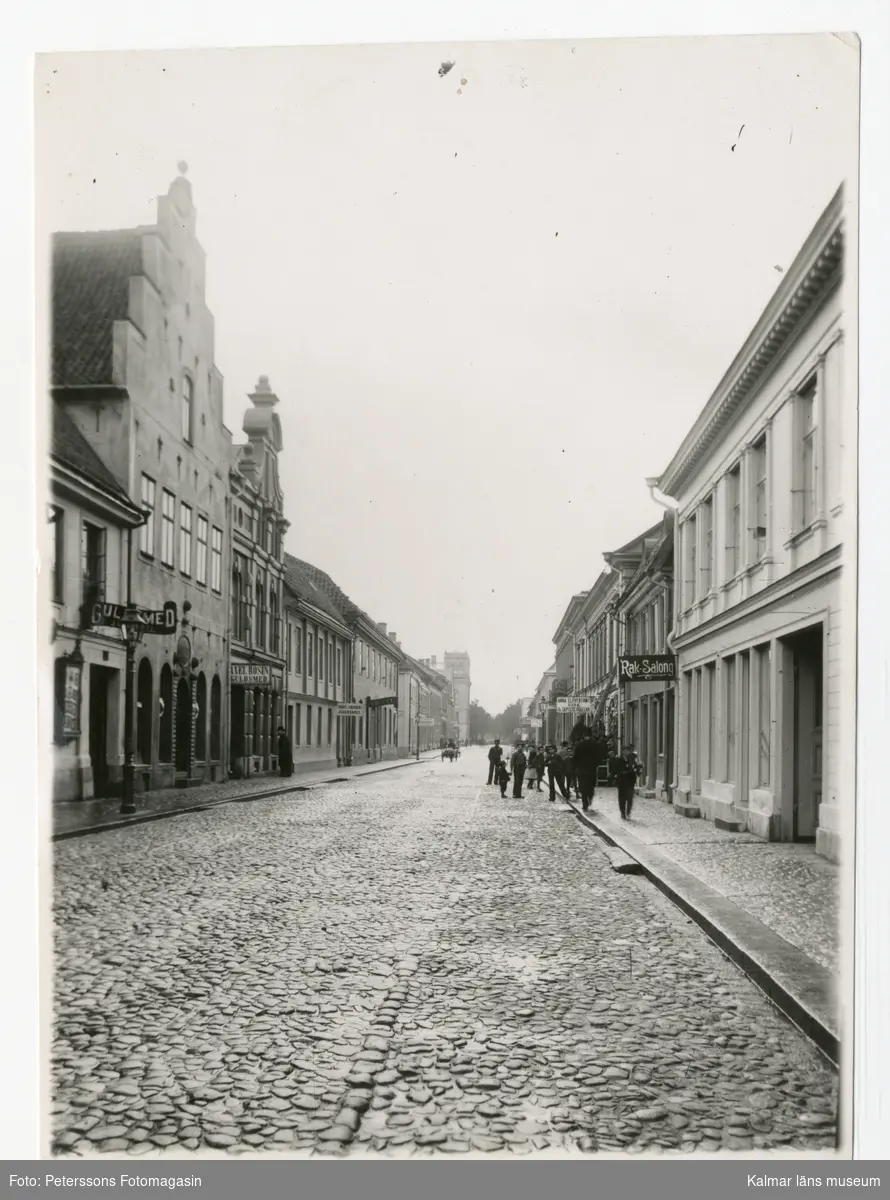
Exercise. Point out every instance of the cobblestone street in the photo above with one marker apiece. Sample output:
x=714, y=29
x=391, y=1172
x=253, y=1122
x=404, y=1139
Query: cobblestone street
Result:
x=403, y=963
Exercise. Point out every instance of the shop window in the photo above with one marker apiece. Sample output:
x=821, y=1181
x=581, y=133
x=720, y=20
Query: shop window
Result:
x=201, y=718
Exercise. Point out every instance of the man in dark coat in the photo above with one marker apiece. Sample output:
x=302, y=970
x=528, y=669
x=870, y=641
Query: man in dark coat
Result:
x=556, y=775
x=566, y=756
x=518, y=763
x=626, y=768
x=495, y=754
x=586, y=761
x=285, y=754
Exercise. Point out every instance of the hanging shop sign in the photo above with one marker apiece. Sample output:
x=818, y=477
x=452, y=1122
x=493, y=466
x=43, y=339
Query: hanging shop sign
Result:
x=72, y=676
x=573, y=704
x=383, y=702
x=250, y=674
x=149, y=620
x=646, y=668
x=350, y=710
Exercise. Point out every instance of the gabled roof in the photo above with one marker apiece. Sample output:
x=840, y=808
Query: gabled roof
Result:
x=91, y=275
x=71, y=448
x=300, y=583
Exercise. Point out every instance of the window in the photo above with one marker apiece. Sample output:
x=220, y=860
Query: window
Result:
x=318, y=727
x=298, y=650
x=711, y=683
x=201, y=559
x=92, y=556
x=188, y=389
x=308, y=724
x=339, y=667
x=730, y=717
x=168, y=514
x=330, y=662
x=330, y=725
x=273, y=620
x=298, y=724
x=310, y=649
x=147, y=532
x=260, y=601
x=239, y=600
x=808, y=464
x=707, y=545
x=58, y=583
x=320, y=651
x=733, y=522
x=691, y=580
x=185, y=539
x=216, y=559
x=288, y=649
x=763, y=714
x=758, y=497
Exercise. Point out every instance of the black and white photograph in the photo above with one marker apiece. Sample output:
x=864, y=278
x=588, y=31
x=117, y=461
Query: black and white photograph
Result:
x=447, y=510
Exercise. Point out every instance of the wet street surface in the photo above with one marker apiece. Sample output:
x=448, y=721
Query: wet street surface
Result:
x=404, y=963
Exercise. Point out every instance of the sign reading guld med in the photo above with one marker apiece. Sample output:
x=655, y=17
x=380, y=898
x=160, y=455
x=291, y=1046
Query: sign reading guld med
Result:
x=647, y=668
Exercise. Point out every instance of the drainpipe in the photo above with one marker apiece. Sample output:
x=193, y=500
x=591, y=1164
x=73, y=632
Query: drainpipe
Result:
x=671, y=505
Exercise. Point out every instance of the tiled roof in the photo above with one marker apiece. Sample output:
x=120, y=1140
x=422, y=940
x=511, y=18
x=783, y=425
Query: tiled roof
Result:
x=70, y=447
x=348, y=609
x=91, y=275
x=300, y=581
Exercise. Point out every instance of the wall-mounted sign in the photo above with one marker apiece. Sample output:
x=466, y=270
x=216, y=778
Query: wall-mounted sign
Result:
x=149, y=620
x=573, y=704
x=250, y=674
x=73, y=674
x=426, y=722
x=536, y=723
x=350, y=710
x=559, y=687
x=646, y=668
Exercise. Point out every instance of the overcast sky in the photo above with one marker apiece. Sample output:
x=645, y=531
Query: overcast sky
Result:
x=492, y=302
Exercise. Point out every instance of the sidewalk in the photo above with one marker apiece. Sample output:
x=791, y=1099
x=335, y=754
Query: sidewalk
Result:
x=772, y=906
x=73, y=818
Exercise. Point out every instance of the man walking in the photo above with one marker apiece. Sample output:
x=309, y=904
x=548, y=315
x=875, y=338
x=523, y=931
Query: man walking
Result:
x=495, y=754
x=568, y=766
x=586, y=762
x=626, y=768
x=518, y=763
x=556, y=775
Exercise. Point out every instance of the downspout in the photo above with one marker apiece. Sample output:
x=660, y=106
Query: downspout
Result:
x=671, y=505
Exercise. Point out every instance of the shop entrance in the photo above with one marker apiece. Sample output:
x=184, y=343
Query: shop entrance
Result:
x=806, y=656
x=101, y=679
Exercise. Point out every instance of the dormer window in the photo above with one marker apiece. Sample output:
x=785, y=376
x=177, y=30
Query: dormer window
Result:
x=188, y=389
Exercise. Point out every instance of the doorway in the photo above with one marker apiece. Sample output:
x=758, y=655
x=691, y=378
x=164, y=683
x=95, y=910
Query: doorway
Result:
x=806, y=657
x=183, y=727
x=100, y=686
x=236, y=741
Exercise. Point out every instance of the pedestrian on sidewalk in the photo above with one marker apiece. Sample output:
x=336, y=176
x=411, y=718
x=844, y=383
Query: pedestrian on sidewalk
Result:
x=532, y=767
x=626, y=768
x=556, y=775
x=540, y=767
x=586, y=761
x=503, y=776
x=495, y=754
x=566, y=754
x=518, y=762
x=285, y=754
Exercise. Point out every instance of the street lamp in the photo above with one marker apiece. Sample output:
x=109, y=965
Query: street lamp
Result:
x=132, y=631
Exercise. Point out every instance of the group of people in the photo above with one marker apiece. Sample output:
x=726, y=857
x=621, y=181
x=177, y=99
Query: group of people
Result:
x=572, y=766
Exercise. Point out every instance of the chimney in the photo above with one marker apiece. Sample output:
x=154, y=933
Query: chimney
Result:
x=381, y=627
x=433, y=660
x=393, y=637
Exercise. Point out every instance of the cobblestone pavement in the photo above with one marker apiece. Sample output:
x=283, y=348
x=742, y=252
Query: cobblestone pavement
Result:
x=786, y=885
x=404, y=964
x=73, y=815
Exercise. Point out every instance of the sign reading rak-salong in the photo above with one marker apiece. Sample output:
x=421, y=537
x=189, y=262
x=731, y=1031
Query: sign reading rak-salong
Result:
x=150, y=620
x=646, y=668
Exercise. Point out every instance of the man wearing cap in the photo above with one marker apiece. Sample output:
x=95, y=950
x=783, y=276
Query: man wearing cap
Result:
x=495, y=754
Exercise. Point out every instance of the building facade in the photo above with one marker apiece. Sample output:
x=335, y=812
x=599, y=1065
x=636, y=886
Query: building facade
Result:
x=644, y=611
x=765, y=569
x=257, y=667
x=133, y=365
x=318, y=651
x=456, y=669
x=90, y=523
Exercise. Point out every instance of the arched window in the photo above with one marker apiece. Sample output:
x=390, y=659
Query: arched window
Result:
x=188, y=391
x=260, y=632
x=201, y=719
x=215, y=719
x=165, y=736
x=144, y=712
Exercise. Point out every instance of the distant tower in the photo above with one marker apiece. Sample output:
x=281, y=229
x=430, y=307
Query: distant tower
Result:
x=457, y=670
